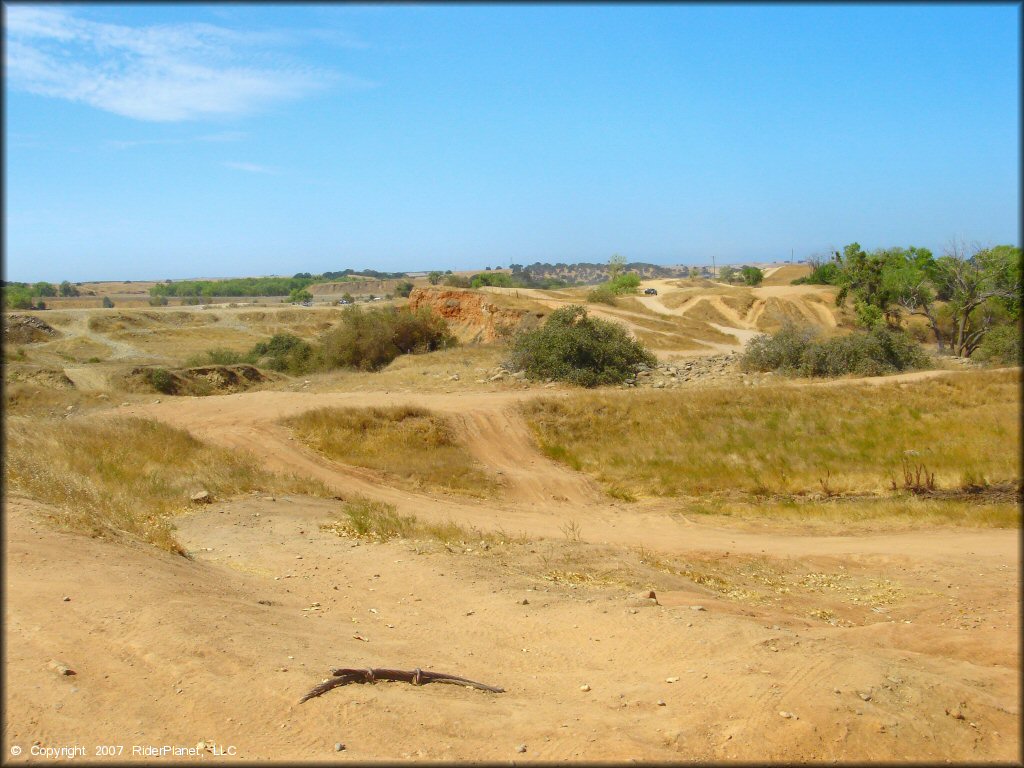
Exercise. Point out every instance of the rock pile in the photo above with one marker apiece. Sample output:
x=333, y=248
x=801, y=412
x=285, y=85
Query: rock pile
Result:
x=25, y=329
x=715, y=369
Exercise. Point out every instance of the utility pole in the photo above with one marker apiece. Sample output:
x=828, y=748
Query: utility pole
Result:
x=790, y=255
x=714, y=271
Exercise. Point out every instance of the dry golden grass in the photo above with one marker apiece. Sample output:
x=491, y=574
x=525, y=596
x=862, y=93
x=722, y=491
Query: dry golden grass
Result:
x=411, y=444
x=688, y=290
x=860, y=513
x=786, y=274
x=788, y=440
x=127, y=476
x=379, y=521
x=662, y=331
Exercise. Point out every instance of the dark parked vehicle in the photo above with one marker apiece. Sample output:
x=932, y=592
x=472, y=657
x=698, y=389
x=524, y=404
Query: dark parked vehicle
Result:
x=650, y=292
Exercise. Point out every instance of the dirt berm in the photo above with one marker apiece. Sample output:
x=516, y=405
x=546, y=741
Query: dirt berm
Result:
x=201, y=380
x=25, y=329
x=473, y=316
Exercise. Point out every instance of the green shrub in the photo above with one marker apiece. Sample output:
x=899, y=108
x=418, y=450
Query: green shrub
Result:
x=456, y=281
x=161, y=380
x=1001, y=346
x=779, y=351
x=822, y=274
x=751, y=275
x=624, y=283
x=403, y=289
x=498, y=279
x=224, y=357
x=107, y=303
x=370, y=339
x=603, y=294
x=284, y=352
x=797, y=350
x=573, y=347
x=877, y=352
x=158, y=301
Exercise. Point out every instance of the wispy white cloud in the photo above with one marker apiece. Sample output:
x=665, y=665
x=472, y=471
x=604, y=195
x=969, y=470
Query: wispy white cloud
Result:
x=222, y=137
x=249, y=167
x=155, y=73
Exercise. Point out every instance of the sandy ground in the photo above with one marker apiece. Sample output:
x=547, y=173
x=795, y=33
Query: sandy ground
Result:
x=918, y=659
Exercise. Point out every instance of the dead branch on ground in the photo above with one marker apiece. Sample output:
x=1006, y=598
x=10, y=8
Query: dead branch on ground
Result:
x=416, y=677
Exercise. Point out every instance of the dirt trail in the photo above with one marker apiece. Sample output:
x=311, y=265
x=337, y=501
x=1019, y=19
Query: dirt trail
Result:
x=219, y=649
x=541, y=495
x=501, y=441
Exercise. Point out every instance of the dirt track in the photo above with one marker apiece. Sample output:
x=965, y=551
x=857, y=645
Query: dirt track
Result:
x=878, y=647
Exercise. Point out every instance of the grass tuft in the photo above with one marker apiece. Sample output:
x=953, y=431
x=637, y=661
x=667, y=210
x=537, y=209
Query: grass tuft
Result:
x=411, y=444
x=128, y=476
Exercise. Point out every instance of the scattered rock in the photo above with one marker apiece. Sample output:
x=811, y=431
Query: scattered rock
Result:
x=62, y=668
x=25, y=329
x=338, y=746
x=864, y=696
x=787, y=715
x=201, y=497
x=661, y=702
x=524, y=601
x=671, y=679
x=697, y=608
x=67, y=599
x=521, y=748
x=584, y=687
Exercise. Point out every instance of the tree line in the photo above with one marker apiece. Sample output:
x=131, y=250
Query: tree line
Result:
x=964, y=295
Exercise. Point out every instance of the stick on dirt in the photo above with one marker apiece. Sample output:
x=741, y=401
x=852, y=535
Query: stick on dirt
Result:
x=417, y=676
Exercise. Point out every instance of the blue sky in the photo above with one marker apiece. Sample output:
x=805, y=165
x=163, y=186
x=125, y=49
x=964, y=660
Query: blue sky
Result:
x=164, y=141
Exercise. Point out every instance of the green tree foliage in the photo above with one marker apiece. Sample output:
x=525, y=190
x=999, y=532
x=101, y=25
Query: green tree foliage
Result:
x=751, y=275
x=1001, y=346
x=499, y=279
x=67, y=289
x=822, y=273
x=434, y=277
x=44, y=289
x=107, y=303
x=404, y=288
x=573, y=347
x=727, y=274
x=242, y=286
x=622, y=283
x=18, y=296
x=963, y=294
x=616, y=265
x=158, y=301
x=299, y=295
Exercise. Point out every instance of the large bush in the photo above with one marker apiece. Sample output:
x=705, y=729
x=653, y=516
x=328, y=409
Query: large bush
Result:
x=797, y=350
x=370, y=339
x=1001, y=346
x=573, y=347
x=821, y=274
x=284, y=352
